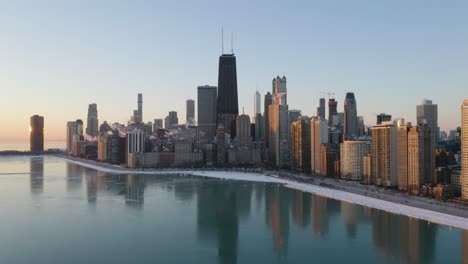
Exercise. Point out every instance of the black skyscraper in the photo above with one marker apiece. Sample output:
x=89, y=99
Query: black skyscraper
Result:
x=227, y=108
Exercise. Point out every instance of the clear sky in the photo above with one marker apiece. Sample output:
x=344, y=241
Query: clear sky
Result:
x=56, y=57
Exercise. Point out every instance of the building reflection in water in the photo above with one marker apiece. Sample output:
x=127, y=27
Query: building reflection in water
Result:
x=277, y=200
x=135, y=190
x=217, y=217
x=91, y=185
x=320, y=215
x=301, y=208
x=464, y=249
x=74, y=174
x=36, y=169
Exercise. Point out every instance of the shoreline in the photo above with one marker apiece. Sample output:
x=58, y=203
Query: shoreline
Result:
x=438, y=217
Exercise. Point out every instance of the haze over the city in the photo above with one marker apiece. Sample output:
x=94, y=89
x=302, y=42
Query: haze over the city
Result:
x=60, y=56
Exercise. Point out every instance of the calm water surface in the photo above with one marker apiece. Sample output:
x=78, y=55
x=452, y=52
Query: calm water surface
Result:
x=52, y=211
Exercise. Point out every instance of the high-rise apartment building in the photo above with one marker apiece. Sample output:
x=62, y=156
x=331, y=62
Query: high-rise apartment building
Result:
x=402, y=148
x=190, y=112
x=350, y=131
x=426, y=114
x=136, y=141
x=74, y=130
x=332, y=109
x=384, y=154
x=418, y=140
x=318, y=136
x=300, y=139
x=227, y=105
x=92, y=121
x=464, y=150
x=207, y=101
x=383, y=118
x=36, y=137
x=352, y=154
x=279, y=148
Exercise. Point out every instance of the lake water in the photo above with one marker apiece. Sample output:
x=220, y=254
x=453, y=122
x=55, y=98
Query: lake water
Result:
x=53, y=211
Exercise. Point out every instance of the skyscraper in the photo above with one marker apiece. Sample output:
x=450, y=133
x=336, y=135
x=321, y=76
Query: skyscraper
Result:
x=318, y=136
x=36, y=125
x=300, y=139
x=190, y=114
x=171, y=120
x=92, y=126
x=350, y=118
x=418, y=139
x=279, y=135
x=140, y=107
x=384, y=154
x=352, y=157
x=207, y=98
x=279, y=87
x=332, y=109
x=136, y=141
x=257, y=104
x=464, y=150
x=426, y=114
x=321, y=108
x=243, y=136
x=268, y=102
x=74, y=130
x=157, y=124
x=402, y=148
x=227, y=105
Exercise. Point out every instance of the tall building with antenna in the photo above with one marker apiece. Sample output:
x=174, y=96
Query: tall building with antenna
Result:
x=227, y=108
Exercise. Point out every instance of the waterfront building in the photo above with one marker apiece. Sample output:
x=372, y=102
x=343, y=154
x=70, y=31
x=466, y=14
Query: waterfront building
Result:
x=383, y=118
x=318, y=136
x=352, y=154
x=92, y=121
x=384, y=154
x=330, y=156
x=367, y=169
x=300, y=139
x=350, y=131
x=402, y=148
x=190, y=112
x=136, y=139
x=220, y=146
x=74, y=131
x=332, y=109
x=464, y=150
x=455, y=179
x=36, y=137
x=418, y=142
x=227, y=104
x=426, y=114
x=279, y=148
x=207, y=100
x=171, y=120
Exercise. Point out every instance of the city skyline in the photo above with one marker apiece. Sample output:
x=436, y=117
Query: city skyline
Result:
x=328, y=58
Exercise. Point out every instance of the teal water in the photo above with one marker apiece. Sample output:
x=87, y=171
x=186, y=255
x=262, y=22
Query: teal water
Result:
x=52, y=211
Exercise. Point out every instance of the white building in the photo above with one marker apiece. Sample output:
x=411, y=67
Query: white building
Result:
x=135, y=141
x=352, y=153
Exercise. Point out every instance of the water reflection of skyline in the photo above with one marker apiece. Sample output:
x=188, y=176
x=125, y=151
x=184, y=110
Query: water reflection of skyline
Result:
x=222, y=205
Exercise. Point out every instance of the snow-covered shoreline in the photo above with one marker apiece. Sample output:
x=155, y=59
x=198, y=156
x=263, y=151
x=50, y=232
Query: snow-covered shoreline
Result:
x=396, y=208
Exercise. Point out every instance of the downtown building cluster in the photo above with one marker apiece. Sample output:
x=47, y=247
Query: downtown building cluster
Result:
x=413, y=158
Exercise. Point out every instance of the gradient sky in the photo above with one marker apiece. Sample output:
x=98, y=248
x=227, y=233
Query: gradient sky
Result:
x=56, y=57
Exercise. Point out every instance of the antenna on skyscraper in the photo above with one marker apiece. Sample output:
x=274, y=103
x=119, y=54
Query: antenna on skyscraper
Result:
x=222, y=40
x=232, y=41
